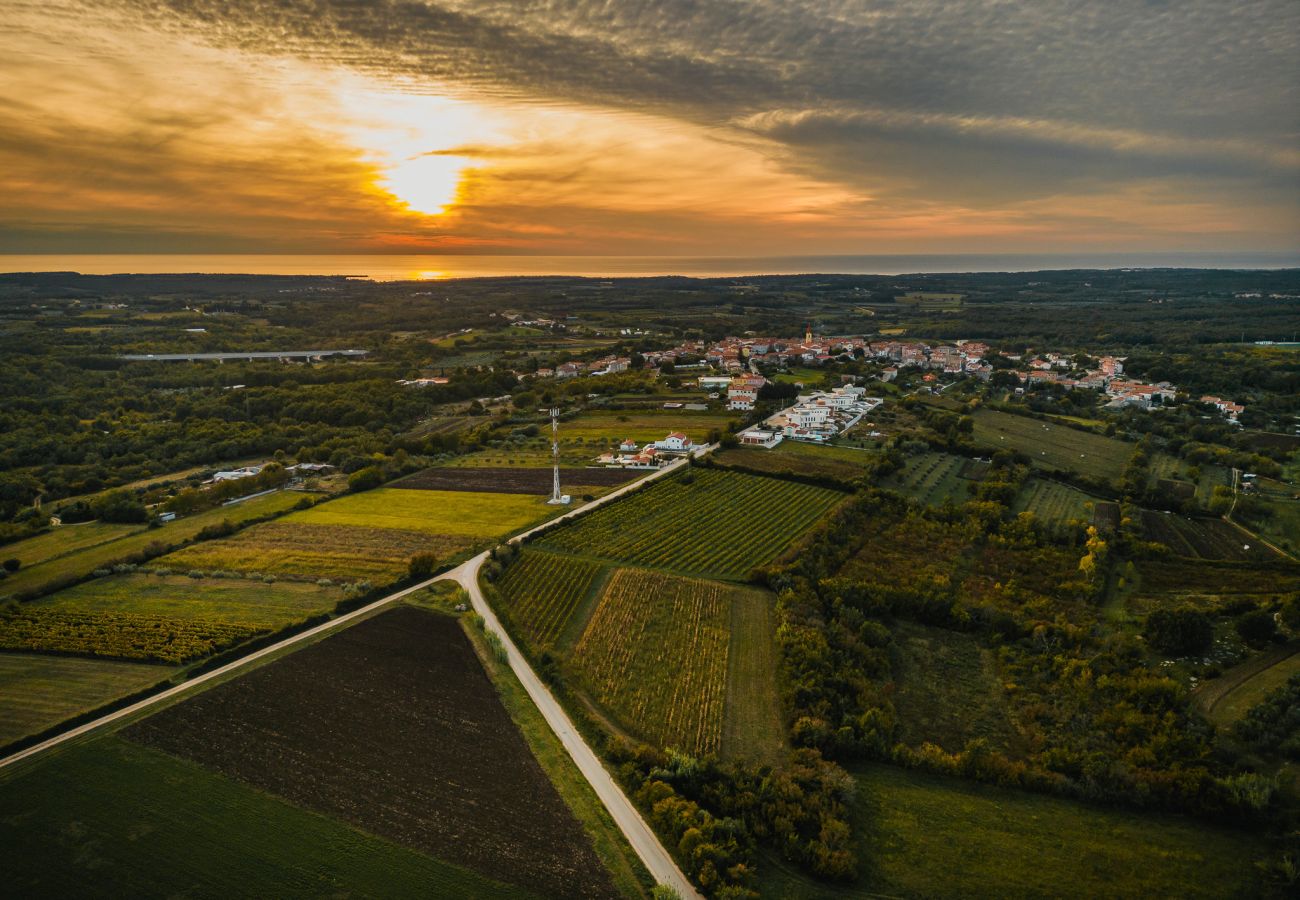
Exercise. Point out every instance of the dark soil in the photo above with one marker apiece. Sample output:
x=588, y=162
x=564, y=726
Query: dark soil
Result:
x=509, y=480
x=393, y=726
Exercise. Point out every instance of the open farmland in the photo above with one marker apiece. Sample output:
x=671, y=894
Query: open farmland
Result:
x=67, y=539
x=513, y=480
x=297, y=550
x=707, y=522
x=1051, y=446
x=39, y=692
x=1229, y=697
x=458, y=513
x=796, y=457
x=611, y=426
x=115, y=818
x=655, y=654
x=931, y=836
x=542, y=591
x=118, y=635
x=1202, y=538
x=393, y=726
x=76, y=564
x=1055, y=504
x=753, y=728
x=932, y=478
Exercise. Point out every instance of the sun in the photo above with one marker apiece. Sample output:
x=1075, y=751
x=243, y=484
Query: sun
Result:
x=427, y=183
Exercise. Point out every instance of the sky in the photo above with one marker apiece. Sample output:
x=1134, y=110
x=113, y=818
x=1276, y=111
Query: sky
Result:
x=649, y=127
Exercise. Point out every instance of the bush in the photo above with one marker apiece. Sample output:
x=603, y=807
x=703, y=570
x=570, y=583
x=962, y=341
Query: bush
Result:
x=366, y=479
x=421, y=566
x=1257, y=628
x=1178, y=632
x=12, y=565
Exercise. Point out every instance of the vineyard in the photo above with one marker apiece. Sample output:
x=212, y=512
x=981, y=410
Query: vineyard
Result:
x=655, y=654
x=1053, y=503
x=118, y=635
x=1202, y=538
x=708, y=522
x=932, y=478
x=541, y=591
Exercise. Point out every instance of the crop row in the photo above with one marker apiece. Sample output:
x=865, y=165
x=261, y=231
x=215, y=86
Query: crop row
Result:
x=720, y=523
x=119, y=635
x=655, y=653
x=542, y=590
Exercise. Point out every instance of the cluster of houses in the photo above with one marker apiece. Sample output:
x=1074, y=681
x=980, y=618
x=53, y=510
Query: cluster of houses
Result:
x=816, y=417
x=607, y=365
x=652, y=455
x=960, y=358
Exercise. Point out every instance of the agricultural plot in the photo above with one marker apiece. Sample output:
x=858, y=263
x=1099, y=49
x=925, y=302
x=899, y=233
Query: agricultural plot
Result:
x=78, y=563
x=39, y=692
x=514, y=480
x=457, y=513
x=1050, y=446
x=932, y=478
x=711, y=523
x=1202, y=538
x=118, y=635
x=112, y=817
x=541, y=592
x=655, y=654
x=930, y=836
x=1055, y=504
x=66, y=539
x=795, y=457
x=1229, y=697
x=289, y=548
x=393, y=727
x=753, y=728
x=611, y=426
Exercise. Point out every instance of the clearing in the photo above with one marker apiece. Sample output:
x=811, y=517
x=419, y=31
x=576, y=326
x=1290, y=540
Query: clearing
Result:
x=1050, y=446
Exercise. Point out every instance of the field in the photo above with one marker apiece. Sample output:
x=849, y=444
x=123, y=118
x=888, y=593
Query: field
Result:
x=82, y=562
x=514, y=480
x=928, y=836
x=800, y=458
x=1202, y=538
x=39, y=692
x=457, y=513
x=1227, y=698
x=949, y=691
x=1053, y=446
x=720, y=523
x=655, y=654
x=118, y=635
x=753, y=728
x=66, y=539
x=393, y=727
x=932, y=478
x=541, y=592
x=1055, y=504
x=114, y=818
x=611, y=426
x=287, y=548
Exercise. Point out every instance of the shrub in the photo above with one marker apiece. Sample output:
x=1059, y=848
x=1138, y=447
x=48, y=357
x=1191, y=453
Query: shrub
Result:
x=365, y=479
x=1178, y=632
x=1257, y=627
x=12, y=565
x=421, y=566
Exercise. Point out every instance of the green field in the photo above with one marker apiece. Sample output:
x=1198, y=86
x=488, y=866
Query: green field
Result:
x=1229, y=697
x=611, y=426
x=66, y=539
x=932, y=478
x=1053, y=503
x=753, y=727
x=117, y=818
x=709, y=522
x=655, y=654
x=1052, y=446
x=291, y=548
x=800, y=458
x=82, y=562
x=39, y=692
x=457, y=513
x=541, y=592
x=924, y=835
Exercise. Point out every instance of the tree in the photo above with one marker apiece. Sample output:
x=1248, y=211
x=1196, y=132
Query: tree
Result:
x=12, y=565
x=421, y=566
x=1257, y=627
x=365, y=479
x=1178, y=632
x=119, y=506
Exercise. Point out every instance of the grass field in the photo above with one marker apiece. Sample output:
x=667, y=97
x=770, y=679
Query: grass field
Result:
x=84, y=561
x=655, y=654
x=115, y=818
x=1230, y=696
x=1055, y=504
x=948, y=690
x=800, y=458
x=927, y=836
x=290, y=548
x=182, y=598
x=1053, y=446
x=611, y=426
x=458, y=513
x=541, y=592
x=753, y=727
x=66, y=539
x=932, y=478
x=711, y=522
x=39, y=692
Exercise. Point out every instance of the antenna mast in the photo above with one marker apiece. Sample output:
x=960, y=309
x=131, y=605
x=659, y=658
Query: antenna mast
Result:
x=557, y=499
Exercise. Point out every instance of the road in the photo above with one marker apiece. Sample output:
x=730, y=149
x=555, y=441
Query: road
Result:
x=638, y=834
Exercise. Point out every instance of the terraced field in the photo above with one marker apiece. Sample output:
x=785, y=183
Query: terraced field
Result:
x=710, y=522
x=541, y=592
x=655, y=654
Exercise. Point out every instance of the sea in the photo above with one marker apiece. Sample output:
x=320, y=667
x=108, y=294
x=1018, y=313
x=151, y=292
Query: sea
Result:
x=393, y=267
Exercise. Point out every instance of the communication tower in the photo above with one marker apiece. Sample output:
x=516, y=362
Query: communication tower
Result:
x=557, y=499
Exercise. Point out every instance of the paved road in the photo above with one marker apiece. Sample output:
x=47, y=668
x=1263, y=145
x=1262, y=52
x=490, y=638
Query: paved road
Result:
x=639, y=835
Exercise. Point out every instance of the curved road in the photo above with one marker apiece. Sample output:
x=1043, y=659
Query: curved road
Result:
x=643, y=840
